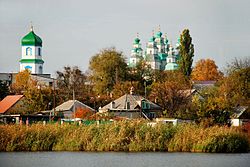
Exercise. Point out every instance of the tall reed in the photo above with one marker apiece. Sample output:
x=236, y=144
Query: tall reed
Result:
x=122, y=136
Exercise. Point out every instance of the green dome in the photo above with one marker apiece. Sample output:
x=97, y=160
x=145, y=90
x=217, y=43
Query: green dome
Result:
x=136, y=41
x=152, y=39
x=166, y=41
x=31, y=39
x=158, y=34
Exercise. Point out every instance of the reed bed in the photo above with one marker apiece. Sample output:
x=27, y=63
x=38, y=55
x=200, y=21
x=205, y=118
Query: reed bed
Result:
x=122, y=136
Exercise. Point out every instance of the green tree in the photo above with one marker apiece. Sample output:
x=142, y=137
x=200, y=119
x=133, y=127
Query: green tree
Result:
x=236, y=87
x=213, y=108
x=186, y=53
x=107, y=68
x=37, y=98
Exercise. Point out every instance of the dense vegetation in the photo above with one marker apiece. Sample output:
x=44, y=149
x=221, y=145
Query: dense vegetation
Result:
x=122, y=136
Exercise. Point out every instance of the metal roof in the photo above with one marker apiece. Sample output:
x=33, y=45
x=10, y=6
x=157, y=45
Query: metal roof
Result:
x=134, y=103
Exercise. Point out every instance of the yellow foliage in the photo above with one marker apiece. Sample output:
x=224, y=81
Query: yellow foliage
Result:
x=206, y=70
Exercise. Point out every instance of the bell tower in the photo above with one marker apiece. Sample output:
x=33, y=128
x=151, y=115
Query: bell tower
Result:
x=32, y=53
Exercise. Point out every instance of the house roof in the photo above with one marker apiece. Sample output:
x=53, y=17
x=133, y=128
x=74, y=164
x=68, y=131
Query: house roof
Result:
x=187, y=92
x=203, y=84
x=134, y=103
x=238, y=111
x=68, y=106
x=8, y=102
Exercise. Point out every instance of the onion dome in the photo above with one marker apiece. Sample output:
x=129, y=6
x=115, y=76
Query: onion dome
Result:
x=158, y=34
x=137, y=41
x=165, y=39
x=31, y=39
x=152, y=39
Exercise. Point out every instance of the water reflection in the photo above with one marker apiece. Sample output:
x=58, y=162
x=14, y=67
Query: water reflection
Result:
x=113, y=159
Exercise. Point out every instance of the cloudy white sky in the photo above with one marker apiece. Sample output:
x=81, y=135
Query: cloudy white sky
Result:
x=74, y=30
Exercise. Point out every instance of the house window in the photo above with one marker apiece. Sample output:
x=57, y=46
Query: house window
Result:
x=143, y=105
x=28, y=51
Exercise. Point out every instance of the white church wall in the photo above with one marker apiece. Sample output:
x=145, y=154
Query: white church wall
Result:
x=33, y=54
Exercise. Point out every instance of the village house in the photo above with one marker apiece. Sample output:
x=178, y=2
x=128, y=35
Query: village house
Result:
x=240, y=116
x=132, y=106
x=66, y=109
x=13, y=110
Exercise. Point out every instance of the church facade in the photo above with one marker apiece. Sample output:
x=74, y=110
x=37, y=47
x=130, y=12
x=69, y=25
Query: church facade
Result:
x=158, y=55
x=32, y=53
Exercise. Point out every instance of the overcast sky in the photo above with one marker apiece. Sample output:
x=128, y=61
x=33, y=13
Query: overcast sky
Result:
x=74, y=30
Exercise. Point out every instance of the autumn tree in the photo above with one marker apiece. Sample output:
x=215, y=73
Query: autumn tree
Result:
x=205, y=70
x=22, y=82
x=83, y=113
x=186, y=52
x=107, y=67
x=230, y=92
x=71, y=78
x=238, y=64
x=235, y=88
x=38, y=97
x=212, y=108
x=169, y=93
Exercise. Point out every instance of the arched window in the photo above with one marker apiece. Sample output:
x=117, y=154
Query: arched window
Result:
x=28, y=51
x=40, y=69
x=39, y=51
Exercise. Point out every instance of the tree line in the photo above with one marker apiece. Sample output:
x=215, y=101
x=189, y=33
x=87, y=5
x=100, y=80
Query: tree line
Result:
x=109, y=77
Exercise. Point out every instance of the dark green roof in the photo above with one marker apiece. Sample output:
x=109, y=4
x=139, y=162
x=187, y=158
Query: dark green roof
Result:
x=152, y=39
x=158, y=34
x=31, y=39
x=136, y=41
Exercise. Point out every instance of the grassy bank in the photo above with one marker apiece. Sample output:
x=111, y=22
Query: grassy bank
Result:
x=121, y=136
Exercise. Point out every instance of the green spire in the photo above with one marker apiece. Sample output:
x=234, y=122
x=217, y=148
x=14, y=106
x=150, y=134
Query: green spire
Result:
x=137, y=40
x=31, y=39
x=159, y=33
x=152, y=39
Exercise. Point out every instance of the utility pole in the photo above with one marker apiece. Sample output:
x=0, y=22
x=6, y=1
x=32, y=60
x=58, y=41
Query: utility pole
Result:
x=54, y=97
x=74, y=109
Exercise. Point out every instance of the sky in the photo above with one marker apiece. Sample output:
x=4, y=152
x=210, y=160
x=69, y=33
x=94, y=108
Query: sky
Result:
x=75, y=30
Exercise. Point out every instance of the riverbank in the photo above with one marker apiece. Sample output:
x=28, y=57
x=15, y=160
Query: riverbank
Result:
x=134, y=136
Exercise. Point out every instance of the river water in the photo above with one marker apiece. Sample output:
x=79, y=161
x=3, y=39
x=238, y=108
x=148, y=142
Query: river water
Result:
x=114, y=159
